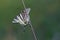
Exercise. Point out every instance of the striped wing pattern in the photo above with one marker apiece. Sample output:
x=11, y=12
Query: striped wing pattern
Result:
x=20, y=19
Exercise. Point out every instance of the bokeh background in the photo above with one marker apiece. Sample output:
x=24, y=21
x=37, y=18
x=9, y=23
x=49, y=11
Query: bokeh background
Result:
x=45, y=17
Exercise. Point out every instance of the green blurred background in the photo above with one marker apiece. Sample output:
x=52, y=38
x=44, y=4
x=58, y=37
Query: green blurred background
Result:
x=45, y=17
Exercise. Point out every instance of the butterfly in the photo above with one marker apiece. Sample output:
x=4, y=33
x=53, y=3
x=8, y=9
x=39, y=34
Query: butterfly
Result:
x=23, y=18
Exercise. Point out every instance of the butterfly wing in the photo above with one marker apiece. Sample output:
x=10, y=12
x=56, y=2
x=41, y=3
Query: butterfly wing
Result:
x=19, y=20
x=28, y=10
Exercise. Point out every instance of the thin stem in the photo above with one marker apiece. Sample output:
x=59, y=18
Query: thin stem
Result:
x=33, y=32
x=23, y=4
x=30, y=23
